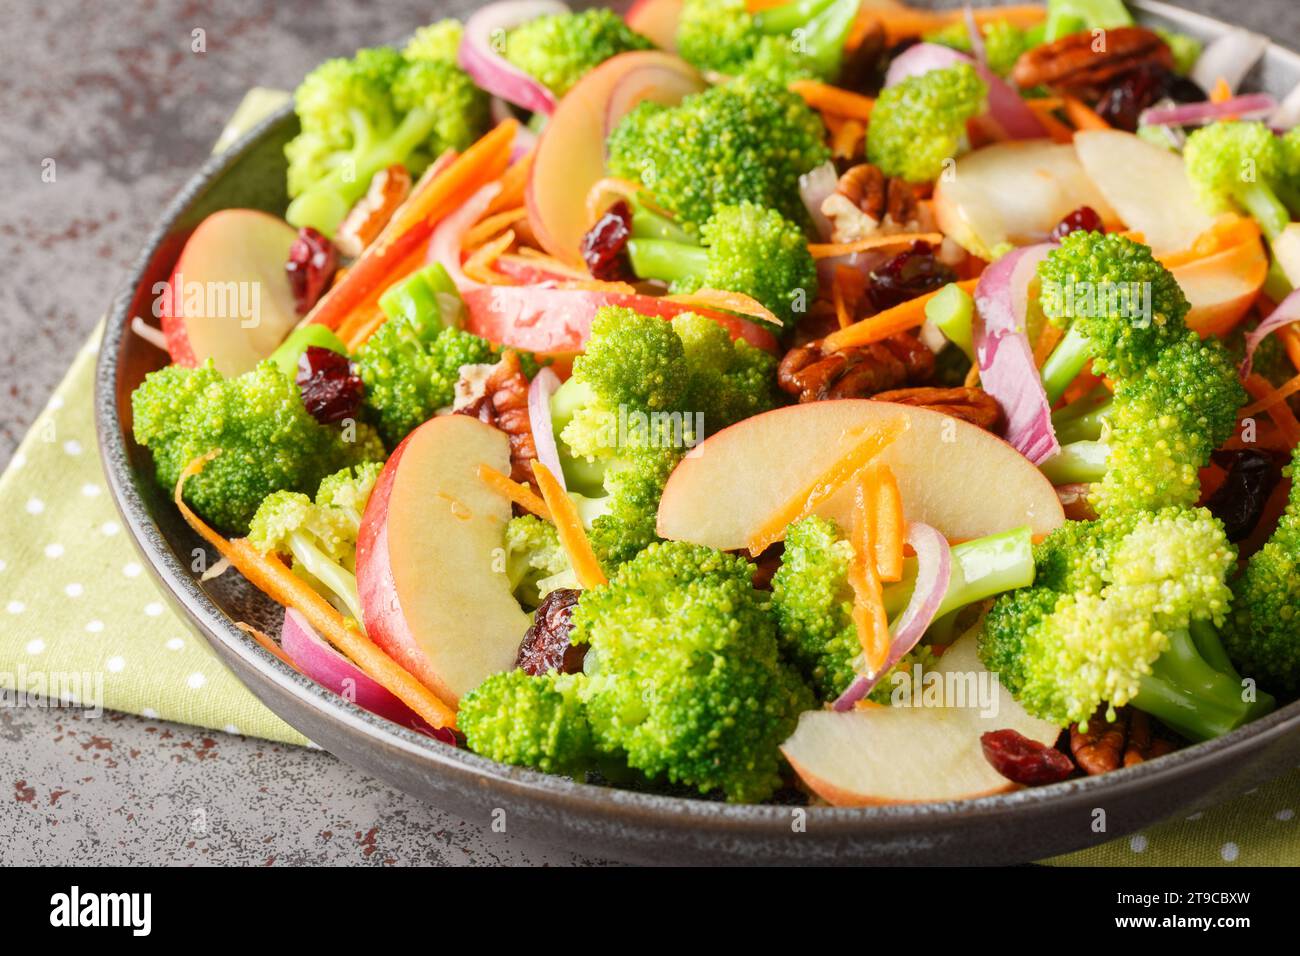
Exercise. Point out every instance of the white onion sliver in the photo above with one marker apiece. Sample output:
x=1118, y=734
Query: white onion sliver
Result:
x=922, y=58
x=444, y=245
x=814, y=186
x=480, y=52
x=543, y=386
x=1250, y=106
x=1287, y=311
x=144, y=330
x=1288, y=113
x=976, y=36
x=1230, y=57
x=933, y=574
x=1006, y=359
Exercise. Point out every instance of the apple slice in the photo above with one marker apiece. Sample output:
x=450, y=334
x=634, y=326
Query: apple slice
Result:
x=1013, y=192
x=952, y=475
x=656, y=20
x=1287, y=249
x=1146, y=185
x=433, y=593
x=570, y=156
x=1223, y=287
x=228, y=298
x=914, y=754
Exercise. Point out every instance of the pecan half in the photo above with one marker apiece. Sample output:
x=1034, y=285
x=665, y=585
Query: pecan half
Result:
x=503, y=402
x=859, y=372
x=1109, y=744
x=972, y=405
x=866, y=200
x=364, y=221
x=1142, y=744
x=1085, y=63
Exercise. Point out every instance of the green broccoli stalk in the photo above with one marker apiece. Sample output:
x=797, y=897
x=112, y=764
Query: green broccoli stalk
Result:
x=536, y=562
x=919, y=124
x=528, y=721
x=718, y=148
x=364, y=114
x=1263, y=633
x=1125, y=611
x=320, y=536
x=813, y=599
x=561, y=49
x=1075, y=16
x=1003, y=42
x=267, y=440
x=1240, y=164
x=743, y=248
x=808, y=35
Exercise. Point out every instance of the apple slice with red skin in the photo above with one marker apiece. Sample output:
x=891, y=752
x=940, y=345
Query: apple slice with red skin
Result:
x=952, y=475
x=914, y=754
x=232, y=252
x=432, y=582
x=557, y=322
x=570, y=156
x=656, y=20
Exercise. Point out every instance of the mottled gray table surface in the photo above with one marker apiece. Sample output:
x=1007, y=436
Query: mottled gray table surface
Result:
x=113, y=94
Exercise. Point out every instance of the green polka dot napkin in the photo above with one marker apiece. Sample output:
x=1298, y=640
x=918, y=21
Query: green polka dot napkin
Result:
x=81, y=613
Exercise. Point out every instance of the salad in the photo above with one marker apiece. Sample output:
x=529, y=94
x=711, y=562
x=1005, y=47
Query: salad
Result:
x=829, y=401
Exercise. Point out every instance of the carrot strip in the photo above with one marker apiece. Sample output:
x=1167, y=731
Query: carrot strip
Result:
x=899, y=318
x=1260, y=390
x=514, y=182
x=868, y=597
x=972, y=376
x=1222, y=92
x=820, y=489
x=905, y=22
x=1048, y=339
x=832, y=99
x=827, y=250
x=479, y=265
x=888, y=527
x=1045, y=109
x=569, y=527
x=268, y=645
x=362, y=331
x=520, y=494
x=1082, y=115
x=845, y=140
x=736, y=302
x=1228, y=231
x=270, y=575
x=837, y=298
x=485, y=229
x=1290, y=336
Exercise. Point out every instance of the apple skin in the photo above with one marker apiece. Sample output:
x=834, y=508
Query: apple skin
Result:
x=1222, y=288
x=432, y=595
x=657, y=21
x=958, y=478
x=231, y=246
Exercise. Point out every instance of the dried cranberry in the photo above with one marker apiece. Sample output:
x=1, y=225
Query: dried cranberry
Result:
x=1141, y=88
x=604, y=247
x=1024, y=761
x=1083, y=219
x=546, y=644
x=311, y=266
x=1239, y=501
x=330, y=387
x=908, y=275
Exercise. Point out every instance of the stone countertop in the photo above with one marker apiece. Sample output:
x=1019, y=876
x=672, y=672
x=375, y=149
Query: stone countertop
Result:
x=116, y=101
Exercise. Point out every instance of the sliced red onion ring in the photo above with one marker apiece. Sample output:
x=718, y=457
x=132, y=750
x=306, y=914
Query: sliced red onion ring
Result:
x=1006, y=107
x=444, y=245
x=1250, y=106
x=1288, y=311
x=540, y=391
x=1006, y=359
x=933, y=574
x=1230, y=57
x=1288, y=113
x=481, y=52
x=814, y=187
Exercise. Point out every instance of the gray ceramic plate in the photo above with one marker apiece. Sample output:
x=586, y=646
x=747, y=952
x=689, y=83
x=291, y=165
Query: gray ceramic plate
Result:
x=1026, y=825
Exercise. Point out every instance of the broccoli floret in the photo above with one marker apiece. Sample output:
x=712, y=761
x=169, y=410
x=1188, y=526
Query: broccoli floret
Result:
x=1234, y=163
x=536, y=562
x=320, y=536
x=1075, y=16
x=745, y=141
x=1003, y=42
x=744, y=248
x=268, y=441
x=727, y=381
x=682, y=673
x=528, y=721
x=437, y=41
x=560, y=49
x=919, y=124
x=813, y=598
x=781, y=62
x=1263, y=633
x=377, y=109
x=722, y=36
x=1186, y=49
x=1141, y=630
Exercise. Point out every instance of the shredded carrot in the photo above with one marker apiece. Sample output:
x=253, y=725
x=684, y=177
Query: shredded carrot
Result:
x=837, y=298
x=972, y=376
x=1049, y=337
x=846, y=140
x=904, y=22
x=737, y=302
x=1222, y=92
x=887, y=525
x=1262, y=391
x=549, y=263
x=569, y=528
x=268, y=645
x=520, y=494
x=832, y=99
x=1290, y=336
x=514, y=181
x=820, y=489
x=486, y=229
x=827, y=250
x=1082, y=115
x=487, y=160
x=613, y=185
x=598, y=285
x=1228, y=231
x=270, y=575
x=899, y=318
x=868, y=597
x=1045, y=109
x=363, y=330
x=479, y=265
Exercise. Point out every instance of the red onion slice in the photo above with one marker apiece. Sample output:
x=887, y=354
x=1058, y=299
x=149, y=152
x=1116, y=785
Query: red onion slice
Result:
x=814, y=188
x=444, y=245
x=1230, y=57
x=1250, y=106
x=1288, y=311
x=540, y=391
x=1006, y=359
x=481, y=52
x=933, y=574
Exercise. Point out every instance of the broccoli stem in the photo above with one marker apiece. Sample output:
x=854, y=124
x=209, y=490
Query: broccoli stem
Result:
x=651, y=225
x=1264, y=206
x=952, y=312
x=669, y=261
x=1190, y=695
x=980, y=569
x=1277, y=286
x=1065, y=363
x=1080, y=462
x=789, y=17
x=1211, y=648
x=315, y=562
x=1083, y=420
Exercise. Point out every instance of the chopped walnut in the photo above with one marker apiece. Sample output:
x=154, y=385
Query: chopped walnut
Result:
x=367, y=219
x=866, y=201
x=859, y=372
x=502, y=400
